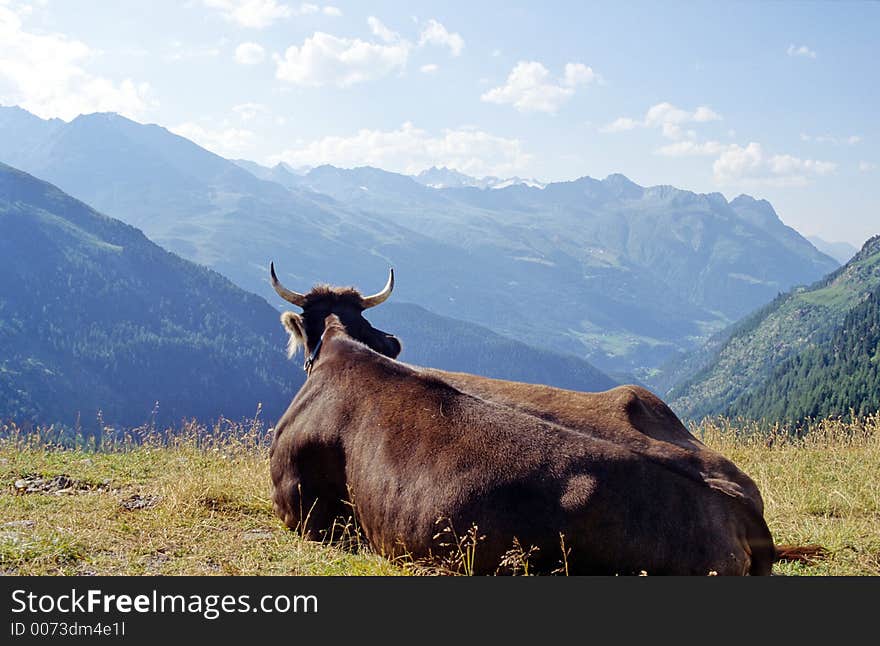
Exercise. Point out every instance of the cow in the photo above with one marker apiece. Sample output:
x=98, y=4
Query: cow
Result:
x=628, y=415
x=406, y=449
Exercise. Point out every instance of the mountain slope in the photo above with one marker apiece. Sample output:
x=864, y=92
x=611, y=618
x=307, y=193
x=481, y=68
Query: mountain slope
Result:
x=448, y=344
x=622, y=275
x=95, y=317
x=746, y=362
x=839, y=377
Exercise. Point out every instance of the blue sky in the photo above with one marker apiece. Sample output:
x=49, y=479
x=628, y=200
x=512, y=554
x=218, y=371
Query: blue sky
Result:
x=776, y=100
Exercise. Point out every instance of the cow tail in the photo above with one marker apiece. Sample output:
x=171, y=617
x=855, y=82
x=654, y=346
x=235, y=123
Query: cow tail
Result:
x=806, y=554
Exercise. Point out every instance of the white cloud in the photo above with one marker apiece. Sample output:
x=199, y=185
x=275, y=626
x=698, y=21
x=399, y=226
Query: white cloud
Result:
x=865, y=167
x=257, y=14
x=249, y=54
x=621, y=124
x=409, y=149
x=435, y=33
x=250, y=111
x=831, y=139
x=430, y=68
x=667, y=117
x=692, y=148
x=254, y=14
x=224, y=141
x=529, y=87
x=801, y=50
x=324, y=59
x=751, y=165
x=383, y=33
x=704, y=113
x=46, y=74
x=578, y=74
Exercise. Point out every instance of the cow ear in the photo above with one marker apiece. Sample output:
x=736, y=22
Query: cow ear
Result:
x=293, y=323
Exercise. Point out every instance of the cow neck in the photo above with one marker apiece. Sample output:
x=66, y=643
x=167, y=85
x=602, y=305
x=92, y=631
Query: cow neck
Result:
x=310, y=361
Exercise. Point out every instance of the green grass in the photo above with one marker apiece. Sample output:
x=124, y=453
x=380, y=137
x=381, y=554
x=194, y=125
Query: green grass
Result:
x=207, y=508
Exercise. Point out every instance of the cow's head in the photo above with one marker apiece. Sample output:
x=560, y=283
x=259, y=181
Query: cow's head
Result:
x=345, y=302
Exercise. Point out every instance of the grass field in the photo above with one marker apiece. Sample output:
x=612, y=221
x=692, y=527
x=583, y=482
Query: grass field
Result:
x=197, y=502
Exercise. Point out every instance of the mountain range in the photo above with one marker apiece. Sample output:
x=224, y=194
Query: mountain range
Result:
x=95, y=317
x=450, y=178
x=622, y=275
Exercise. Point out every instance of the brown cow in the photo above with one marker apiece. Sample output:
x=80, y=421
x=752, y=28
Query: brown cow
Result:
x=410, y=448
x=627, y=415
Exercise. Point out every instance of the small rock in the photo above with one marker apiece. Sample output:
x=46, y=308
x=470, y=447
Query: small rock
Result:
x=256, y=535
x=137, y=501
x=19, y=523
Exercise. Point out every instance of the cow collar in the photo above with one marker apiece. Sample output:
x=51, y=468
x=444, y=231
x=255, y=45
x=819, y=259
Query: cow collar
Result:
x=310, y=362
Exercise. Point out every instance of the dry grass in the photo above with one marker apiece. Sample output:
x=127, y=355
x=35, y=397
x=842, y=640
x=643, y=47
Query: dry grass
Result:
x=196, y=501
x=821, y=485
x=187, y=504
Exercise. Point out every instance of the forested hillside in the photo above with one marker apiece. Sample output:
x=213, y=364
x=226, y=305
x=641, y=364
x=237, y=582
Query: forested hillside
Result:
x=95, y=317
x=748, y=361
x=839, y=377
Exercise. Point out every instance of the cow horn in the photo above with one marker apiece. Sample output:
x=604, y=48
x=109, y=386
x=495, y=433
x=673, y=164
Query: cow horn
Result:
x=381, y=297
x=289, y=295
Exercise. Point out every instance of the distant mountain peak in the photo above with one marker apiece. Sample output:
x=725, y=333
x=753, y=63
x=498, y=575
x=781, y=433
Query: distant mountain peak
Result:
x=103, y=116
x=623, y=186
x=619, y=178
x=744, y=199
x=757, y=211
x=444, y=177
